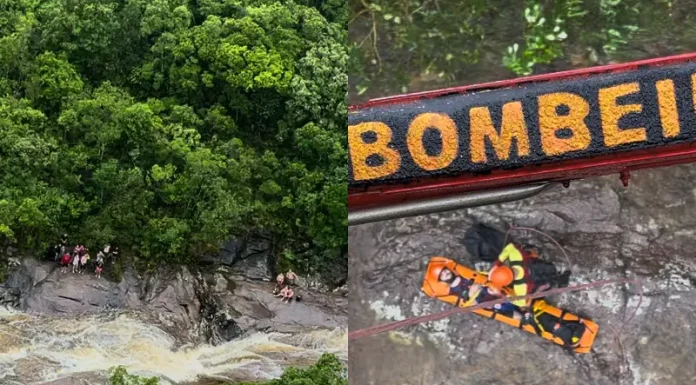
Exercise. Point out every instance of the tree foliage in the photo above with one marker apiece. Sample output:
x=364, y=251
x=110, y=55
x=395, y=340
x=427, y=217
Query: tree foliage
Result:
x=414, y=45
x=327, y=371
x=166, y=126
x=120, y=376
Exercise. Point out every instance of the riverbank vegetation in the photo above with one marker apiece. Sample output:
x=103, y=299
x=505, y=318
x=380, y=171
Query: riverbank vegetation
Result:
x=414, y=45
x=327, y=371
x=167, y=126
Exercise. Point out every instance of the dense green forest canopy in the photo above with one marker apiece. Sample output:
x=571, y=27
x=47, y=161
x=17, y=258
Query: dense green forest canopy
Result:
x=415, y=45
x=165, y=126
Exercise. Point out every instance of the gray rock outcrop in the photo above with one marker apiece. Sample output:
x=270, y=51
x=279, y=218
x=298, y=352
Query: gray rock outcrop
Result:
x=647, y=230
x=215, y=306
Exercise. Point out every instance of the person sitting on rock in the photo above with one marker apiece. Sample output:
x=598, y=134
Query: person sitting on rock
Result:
x=287, y=293
x=291, y=277
x=281, y=292
x=280, y=283
x=65, y=262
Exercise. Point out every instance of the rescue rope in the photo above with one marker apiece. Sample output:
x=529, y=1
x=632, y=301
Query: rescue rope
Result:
x=638, y=283
x=370, y=331
x=513, y=228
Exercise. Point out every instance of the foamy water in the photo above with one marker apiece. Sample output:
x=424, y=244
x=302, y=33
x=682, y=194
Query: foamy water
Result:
x=36, y=350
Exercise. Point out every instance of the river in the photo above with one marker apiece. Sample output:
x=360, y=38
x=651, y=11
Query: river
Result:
x=46, y=350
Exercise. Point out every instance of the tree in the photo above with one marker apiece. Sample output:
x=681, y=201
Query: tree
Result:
x=168, y=126
x=415, y=45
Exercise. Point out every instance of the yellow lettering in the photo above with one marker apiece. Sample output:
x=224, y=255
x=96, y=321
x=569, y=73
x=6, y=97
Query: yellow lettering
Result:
x=612, y=112
x=693, y=89
x=667, y=100
x=448, y=134
x=360, y=151
x=550, y=121
x=511, y=126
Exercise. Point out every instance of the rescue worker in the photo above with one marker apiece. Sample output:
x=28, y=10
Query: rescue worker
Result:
x=524, y=273
x=511, y=269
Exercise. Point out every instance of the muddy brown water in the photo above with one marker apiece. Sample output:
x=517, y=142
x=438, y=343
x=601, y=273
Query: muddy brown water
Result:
x=72, y=350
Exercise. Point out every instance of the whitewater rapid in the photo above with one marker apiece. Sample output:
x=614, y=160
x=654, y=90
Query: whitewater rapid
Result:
x=41, y=350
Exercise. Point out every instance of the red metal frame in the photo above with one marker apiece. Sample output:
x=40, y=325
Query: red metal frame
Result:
x=558, y=172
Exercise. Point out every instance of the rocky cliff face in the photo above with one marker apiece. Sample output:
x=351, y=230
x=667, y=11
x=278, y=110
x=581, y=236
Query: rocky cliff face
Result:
x=647, y=230
x=213, y=307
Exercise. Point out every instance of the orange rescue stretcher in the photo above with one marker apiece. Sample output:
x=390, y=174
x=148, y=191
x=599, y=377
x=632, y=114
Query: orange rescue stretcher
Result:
x=542, y=310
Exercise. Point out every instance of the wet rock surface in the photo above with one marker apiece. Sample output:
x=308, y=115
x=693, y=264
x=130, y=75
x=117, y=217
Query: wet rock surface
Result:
x=197, y=306
x=250, y=256
x=647, y=230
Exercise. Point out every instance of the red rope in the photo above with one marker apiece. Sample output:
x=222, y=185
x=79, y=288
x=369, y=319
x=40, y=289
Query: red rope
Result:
x=437, y=316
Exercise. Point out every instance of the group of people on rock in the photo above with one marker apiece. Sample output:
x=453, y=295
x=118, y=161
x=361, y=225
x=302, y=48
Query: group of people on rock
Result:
x=79, y=257
x=284, y=286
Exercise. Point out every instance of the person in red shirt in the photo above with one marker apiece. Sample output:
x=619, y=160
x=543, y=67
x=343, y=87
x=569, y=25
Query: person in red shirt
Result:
x=65, y=262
